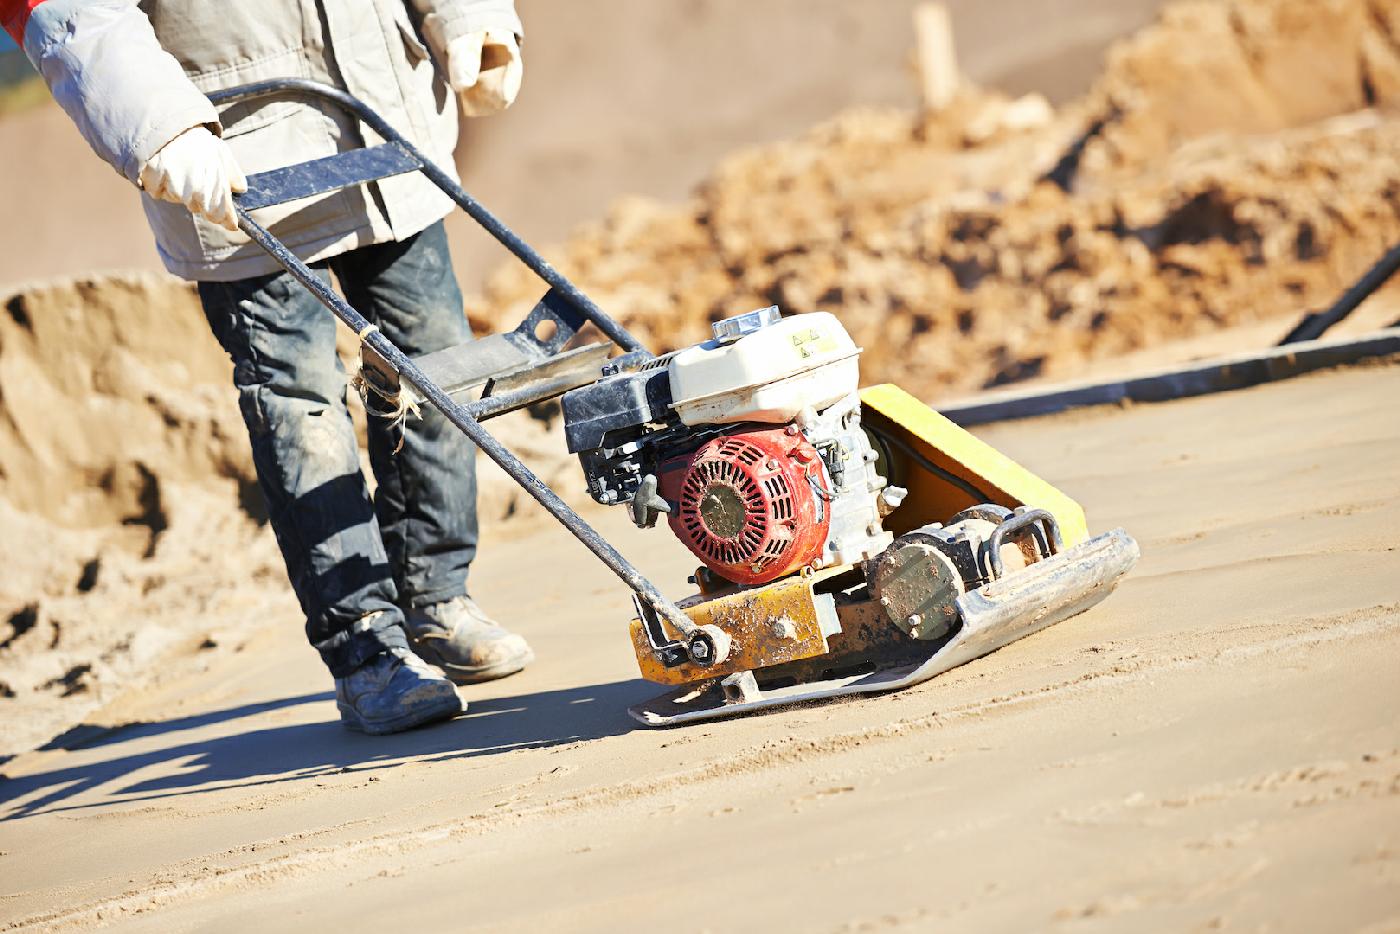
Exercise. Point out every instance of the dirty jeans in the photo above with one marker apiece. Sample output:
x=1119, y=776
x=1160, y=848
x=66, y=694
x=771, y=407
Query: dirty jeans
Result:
x=345, y=557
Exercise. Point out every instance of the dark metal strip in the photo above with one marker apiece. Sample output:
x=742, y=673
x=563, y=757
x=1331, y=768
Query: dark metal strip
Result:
x=502, y=403
x=1267, y=366
x=330, y=173
x=1314, y=325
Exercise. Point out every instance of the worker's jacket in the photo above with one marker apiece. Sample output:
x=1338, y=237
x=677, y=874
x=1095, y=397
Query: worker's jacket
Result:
x=133, y=77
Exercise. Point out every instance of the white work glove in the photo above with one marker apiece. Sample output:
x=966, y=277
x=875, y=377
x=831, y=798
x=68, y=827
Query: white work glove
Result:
x=196, y=169
x=485, y=69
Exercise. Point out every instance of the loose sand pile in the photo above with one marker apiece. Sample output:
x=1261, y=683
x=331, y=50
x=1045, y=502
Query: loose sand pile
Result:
x=1224, y=168
x=134, y=527
x=123, y=468
x=1235, y=162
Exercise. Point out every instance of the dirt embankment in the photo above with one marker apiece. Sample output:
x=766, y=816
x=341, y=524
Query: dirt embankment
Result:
x=1234, y=162
x=121, y=466
x=134, y=526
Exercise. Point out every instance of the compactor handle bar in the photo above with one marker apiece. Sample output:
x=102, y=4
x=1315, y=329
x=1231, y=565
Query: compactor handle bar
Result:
x=397, y=156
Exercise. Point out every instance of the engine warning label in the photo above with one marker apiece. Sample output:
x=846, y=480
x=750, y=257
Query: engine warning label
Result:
x=813, y=341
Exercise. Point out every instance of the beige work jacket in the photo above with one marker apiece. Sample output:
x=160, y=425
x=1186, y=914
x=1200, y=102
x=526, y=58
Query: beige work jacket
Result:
x=133, y=76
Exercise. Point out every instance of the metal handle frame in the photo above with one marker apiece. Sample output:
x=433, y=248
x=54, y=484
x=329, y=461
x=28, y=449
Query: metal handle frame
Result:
x=1315, y=324
x=399, y=156
x=1025, y=520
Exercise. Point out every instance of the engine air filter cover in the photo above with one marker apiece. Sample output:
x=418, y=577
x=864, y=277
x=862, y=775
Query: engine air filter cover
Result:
x=747, y=506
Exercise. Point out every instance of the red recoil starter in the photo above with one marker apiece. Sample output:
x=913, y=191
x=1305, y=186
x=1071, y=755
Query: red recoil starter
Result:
x=747, y=504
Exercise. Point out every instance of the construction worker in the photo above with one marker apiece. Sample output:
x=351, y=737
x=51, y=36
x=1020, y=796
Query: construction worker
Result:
x=382, y=582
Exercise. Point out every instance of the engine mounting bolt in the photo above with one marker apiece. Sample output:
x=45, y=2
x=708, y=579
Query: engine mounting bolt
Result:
x=784, y=628
x=885, y=600
x=792, y=429
x=700, y=649
x=773, y=463
x=914, y=620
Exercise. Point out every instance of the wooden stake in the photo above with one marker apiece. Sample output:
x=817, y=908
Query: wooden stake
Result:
x=937, y=57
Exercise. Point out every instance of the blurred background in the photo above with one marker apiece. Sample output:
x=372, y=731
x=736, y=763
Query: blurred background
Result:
x=620, y=97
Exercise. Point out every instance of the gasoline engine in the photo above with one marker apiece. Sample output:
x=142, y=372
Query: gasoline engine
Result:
x=847, y=540
x=750, y=444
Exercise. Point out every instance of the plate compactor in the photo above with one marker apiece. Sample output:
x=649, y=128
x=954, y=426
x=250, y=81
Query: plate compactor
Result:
x=851, y=541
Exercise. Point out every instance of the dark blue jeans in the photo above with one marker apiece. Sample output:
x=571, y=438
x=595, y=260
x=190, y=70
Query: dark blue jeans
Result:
x=347, y=557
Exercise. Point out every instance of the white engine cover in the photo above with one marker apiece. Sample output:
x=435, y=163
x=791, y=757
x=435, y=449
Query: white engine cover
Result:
x=770, y=376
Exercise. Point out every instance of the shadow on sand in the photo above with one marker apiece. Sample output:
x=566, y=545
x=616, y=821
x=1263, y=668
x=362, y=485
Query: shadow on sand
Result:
x=305, y=750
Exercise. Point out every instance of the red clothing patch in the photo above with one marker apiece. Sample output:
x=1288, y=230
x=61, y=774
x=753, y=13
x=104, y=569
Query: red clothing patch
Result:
x=14, y=14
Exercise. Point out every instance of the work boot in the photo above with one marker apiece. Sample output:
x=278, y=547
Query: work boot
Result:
x=392, y=692
x=464, y=642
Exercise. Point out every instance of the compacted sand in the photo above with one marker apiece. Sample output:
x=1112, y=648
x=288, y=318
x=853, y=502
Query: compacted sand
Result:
x=1217, y=746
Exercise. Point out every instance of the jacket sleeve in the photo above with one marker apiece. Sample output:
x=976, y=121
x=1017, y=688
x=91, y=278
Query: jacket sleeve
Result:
x=105, y=67
x=447, y=20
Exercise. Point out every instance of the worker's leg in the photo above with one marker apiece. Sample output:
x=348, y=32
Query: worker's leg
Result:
x=427, y=490
x=292, y=394
x=426, y=500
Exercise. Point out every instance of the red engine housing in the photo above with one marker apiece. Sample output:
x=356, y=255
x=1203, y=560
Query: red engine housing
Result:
x=746, y=504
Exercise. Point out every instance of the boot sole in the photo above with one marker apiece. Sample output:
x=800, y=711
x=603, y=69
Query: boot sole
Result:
x=464, y=674
x=449, y=708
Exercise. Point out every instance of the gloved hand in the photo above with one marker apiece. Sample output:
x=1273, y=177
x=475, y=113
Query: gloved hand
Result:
x=485, y=69
x=198, y=170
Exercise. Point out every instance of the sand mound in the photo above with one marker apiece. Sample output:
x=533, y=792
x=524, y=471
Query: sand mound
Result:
x=1242, y=67
x=126, y=483
x=136, y=533
x=112, y=388
x=1000, y=240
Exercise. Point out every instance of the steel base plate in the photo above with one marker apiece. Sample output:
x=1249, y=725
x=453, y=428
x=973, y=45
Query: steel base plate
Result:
x=990, y=617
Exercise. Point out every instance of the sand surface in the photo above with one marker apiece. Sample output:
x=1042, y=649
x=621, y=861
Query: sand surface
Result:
x=1215, y=746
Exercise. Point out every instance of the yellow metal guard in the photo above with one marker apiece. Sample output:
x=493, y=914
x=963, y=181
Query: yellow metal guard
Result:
x=979, y=473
